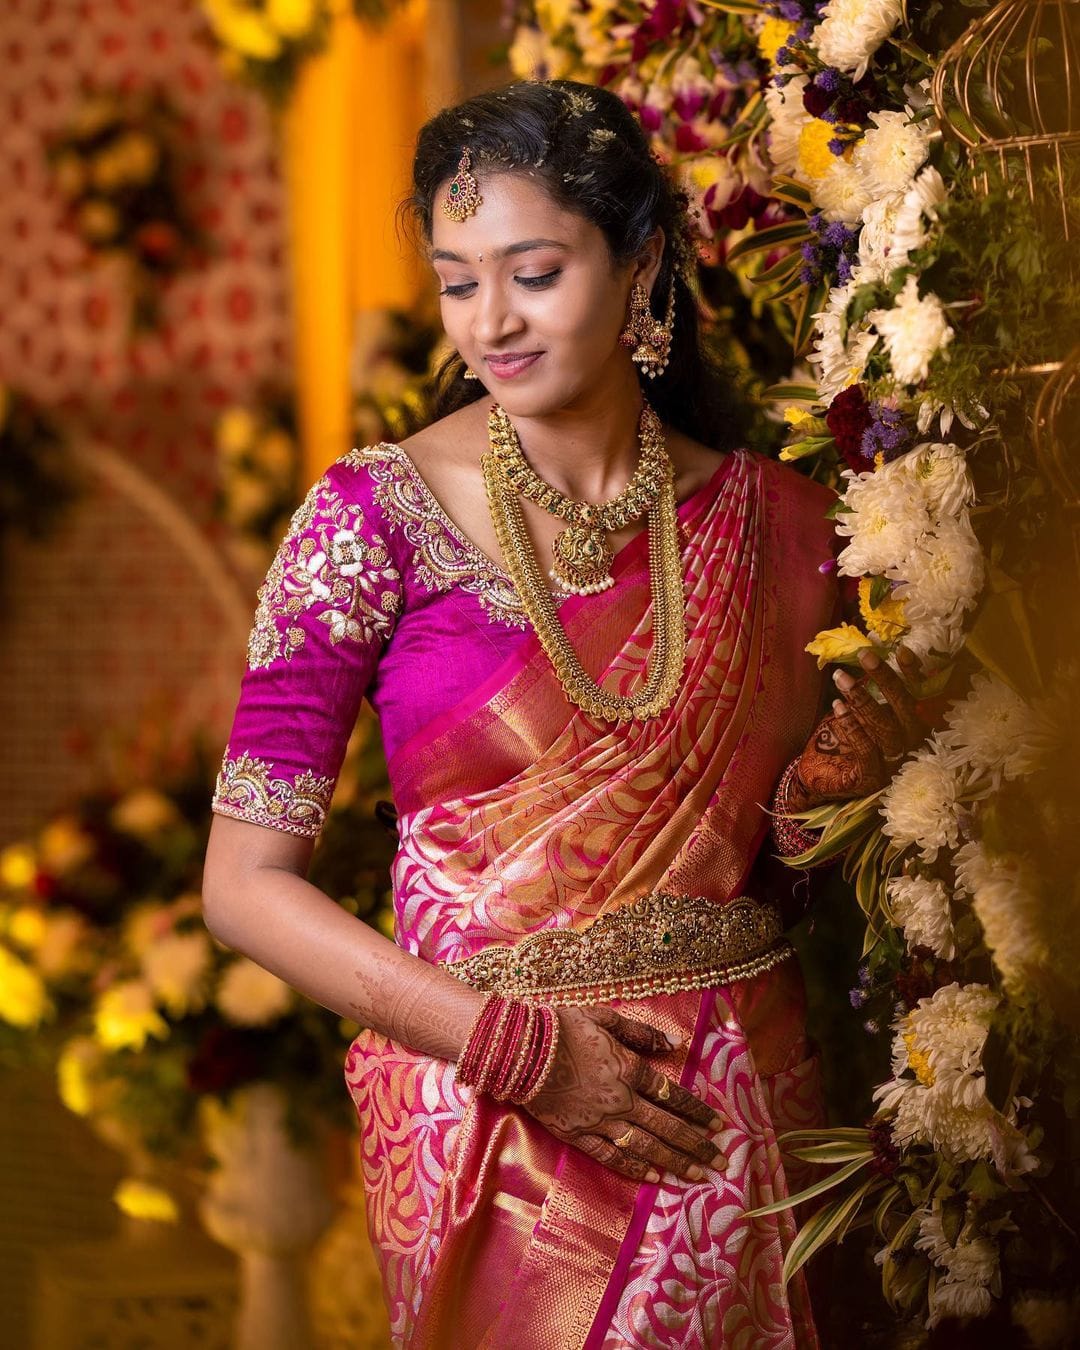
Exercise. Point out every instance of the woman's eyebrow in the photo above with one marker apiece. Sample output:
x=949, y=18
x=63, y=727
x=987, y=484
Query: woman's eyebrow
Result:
x=525, y=245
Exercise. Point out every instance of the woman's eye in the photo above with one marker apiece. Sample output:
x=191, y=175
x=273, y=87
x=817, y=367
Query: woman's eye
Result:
x=538, y=283
x=462, y=288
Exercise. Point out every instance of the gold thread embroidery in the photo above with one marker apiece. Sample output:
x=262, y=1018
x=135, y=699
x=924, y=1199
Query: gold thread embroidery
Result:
x=660, y=943
x=349, y=578
x=442, y=556
x=247, y=790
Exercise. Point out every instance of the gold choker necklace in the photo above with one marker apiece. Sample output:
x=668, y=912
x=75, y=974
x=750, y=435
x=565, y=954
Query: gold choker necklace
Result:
x=582, y=556
x=667, y=657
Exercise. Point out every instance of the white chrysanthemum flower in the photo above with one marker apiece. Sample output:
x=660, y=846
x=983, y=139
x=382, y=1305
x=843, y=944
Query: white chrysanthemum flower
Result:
x=1005, y=897
x=175, y=967
x=1047, y=1322
x=950, y=1029
x=851, y=31
x=918, y=206
x=842, y=193
x=970, y=1266
x=993, y=731
x=913, y=330
x=934, y=639
x=884, y=521
x=921, y=907
x=930, y=407
x=840, y=360
x=877, y=238
x=940, y=471
x=788, y=117
x=920, y=805
x=250, y=996
x=943, y=574
x=891, y=153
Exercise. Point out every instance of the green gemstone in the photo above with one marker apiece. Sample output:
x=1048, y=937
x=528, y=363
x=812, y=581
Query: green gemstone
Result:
x=666, y=937
x=453, y=189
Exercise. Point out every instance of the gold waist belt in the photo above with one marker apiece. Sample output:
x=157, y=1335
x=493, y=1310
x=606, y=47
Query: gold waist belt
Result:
x=658, y=944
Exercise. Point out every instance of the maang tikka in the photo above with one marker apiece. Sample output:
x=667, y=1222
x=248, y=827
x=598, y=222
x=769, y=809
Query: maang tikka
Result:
x=649, y=337
x=463, y=195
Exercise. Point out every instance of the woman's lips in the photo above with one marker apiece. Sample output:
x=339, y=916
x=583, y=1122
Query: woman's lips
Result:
x=506, y=367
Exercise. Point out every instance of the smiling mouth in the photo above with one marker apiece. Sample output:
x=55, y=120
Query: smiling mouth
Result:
x=512, y=364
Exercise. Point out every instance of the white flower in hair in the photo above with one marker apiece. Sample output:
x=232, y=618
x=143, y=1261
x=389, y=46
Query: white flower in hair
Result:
x=851, y=31
x=891, y=152
x=920, y=806
x=913, y=330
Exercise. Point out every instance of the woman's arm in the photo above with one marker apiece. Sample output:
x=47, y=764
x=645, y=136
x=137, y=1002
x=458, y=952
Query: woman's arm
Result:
x=256, y=901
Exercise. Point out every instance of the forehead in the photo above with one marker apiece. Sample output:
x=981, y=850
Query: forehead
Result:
x=515, y=206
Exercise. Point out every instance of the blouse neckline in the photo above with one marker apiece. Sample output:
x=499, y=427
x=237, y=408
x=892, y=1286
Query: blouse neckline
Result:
x=481, y=559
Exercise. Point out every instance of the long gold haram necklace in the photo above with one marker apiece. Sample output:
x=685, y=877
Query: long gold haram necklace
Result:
x=665, y=665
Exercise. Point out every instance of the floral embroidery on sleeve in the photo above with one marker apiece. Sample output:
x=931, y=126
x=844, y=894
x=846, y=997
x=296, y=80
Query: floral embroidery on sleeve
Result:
x=328, y=562
x=248, y=790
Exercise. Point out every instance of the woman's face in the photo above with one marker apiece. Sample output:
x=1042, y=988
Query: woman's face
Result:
x=531, y=298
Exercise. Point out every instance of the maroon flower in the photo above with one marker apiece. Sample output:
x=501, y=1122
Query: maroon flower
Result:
x=847, y=419
x=816, y=100
x=158, y=242
x=886, y=1155
x=687, y=140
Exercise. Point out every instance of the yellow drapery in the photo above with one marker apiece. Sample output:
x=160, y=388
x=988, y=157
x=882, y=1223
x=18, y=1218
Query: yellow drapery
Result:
x=348, y=136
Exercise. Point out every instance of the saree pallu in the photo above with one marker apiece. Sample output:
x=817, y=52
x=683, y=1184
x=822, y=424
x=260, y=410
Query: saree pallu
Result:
x=519, y=813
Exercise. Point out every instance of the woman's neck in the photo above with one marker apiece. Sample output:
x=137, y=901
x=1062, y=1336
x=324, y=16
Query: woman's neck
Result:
x=590, y=449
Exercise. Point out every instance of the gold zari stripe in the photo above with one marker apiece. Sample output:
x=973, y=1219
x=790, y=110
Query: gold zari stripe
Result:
x=658, y=944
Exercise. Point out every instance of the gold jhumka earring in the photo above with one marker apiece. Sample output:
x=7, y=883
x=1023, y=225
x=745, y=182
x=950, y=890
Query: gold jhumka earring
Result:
x=463, y=195
x=649, y=338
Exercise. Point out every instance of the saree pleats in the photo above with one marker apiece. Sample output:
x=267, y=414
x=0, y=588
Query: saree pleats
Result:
x=519, y=813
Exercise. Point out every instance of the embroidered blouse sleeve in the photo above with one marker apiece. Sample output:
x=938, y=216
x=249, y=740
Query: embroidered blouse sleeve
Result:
x=325, y=611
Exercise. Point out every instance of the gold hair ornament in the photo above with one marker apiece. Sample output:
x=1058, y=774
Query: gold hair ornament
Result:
x=463, y=195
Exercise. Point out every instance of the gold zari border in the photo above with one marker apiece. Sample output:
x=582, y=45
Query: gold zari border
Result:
x=658, y=944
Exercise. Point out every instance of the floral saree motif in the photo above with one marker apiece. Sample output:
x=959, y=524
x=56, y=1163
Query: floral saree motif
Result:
x=521, y=816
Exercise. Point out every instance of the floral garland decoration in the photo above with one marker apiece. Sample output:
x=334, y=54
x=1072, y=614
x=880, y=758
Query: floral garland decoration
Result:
x=258, y=476
x=906, y=288
x=116, y=169
x=264, y=43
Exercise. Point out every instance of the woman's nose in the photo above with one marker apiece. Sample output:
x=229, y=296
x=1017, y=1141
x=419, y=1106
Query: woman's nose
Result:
x=495, y=316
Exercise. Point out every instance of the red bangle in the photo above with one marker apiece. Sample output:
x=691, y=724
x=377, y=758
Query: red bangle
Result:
x=789, y=834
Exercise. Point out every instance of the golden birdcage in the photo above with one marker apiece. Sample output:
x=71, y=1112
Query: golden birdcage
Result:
x=1009, y=89
x=1056, y=431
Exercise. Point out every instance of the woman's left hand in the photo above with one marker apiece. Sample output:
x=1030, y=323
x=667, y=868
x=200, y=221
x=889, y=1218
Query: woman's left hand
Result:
x=850, y=751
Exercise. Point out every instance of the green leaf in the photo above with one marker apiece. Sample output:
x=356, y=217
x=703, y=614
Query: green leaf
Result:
x=789, y=189
x=836, y=1152
x=779, y=270
x=889, y=1197
x=838, y=508
x=849, y=1134
x=813, y=301
x=834, y=1179
x=879, y=589
x=828, y=1224
x=791, y=393
x=790, y=232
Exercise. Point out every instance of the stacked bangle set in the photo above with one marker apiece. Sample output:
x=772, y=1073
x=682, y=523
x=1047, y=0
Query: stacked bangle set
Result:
x=509, y=1049
x=788, y=833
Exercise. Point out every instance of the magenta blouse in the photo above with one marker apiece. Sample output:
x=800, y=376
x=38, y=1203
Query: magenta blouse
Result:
x=374, y=592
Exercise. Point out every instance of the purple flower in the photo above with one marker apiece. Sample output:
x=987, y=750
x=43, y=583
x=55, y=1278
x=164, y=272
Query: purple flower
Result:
x=871, y=1027
x=791, y=10
x=808, y=275
x=864, y=975
x=804, y=30
x=828, y=79
x=857, y=997
x=783, y=56
x=808, y=249
x=837, y=145
x=887, y=432
x=843, y=269
x=837, y=234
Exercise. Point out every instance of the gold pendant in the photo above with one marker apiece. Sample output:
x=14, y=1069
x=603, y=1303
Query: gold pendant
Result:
x=582, y=560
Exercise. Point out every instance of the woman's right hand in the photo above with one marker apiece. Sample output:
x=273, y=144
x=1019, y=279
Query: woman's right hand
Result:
x=600, y=1087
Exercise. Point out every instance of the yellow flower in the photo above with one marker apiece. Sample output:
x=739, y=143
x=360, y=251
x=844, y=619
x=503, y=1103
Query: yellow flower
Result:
x=236, y=432
x=74, y=1074
x=63, y=845
x=291, y=18
x=553, y=14
x=795, y=416
x=69, y=172
x=815, y=157
x=98, y=221
x=275, y=454
x=64, y=948
x=918, y=1060
x=837, y=644
x=18, y=867
x=95, y=114
x=27, y=927
x=144, y=813
x=107, y=169
x=243, y=29
x=141, y=1200
x=886, y=619
x=23, y=1000
x=125, y=1016
x=138, y=156
x=773, y=35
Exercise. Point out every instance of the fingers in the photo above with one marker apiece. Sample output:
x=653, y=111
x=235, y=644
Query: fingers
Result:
x=896, y=692
x=878, y=719
x=672, y=1096
x=639, y=1036
x=656, y=1153
x=675, y=1133
x=618, y=1159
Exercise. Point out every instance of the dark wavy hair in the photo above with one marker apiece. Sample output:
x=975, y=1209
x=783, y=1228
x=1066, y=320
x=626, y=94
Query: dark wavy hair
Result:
x=585, y=146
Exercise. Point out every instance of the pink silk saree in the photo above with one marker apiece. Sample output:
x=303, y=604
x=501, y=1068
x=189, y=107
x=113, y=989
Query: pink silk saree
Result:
x=517, y=813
